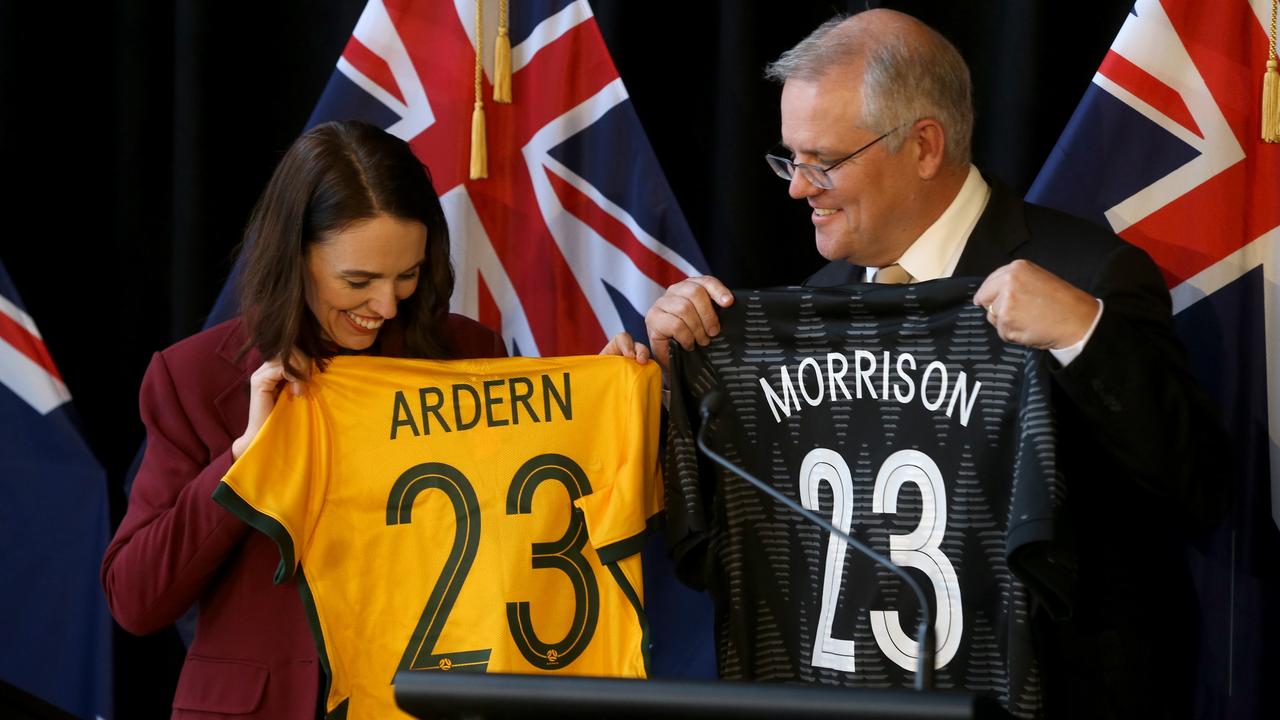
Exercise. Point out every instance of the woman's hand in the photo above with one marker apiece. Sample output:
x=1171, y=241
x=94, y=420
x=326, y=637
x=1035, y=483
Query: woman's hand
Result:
x=623, y=345
x=264, y=386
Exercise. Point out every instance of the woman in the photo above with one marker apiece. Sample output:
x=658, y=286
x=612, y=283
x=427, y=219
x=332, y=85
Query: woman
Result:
x=347, y=251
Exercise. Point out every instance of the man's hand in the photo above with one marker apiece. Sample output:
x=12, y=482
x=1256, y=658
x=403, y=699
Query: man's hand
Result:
x=1031, y=306
x=686, y=313
x=623, y=345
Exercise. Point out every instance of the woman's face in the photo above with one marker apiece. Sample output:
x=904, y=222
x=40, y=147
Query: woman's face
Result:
x=356, y=276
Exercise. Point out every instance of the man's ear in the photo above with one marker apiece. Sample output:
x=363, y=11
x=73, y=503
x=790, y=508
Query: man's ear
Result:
x=928, y=142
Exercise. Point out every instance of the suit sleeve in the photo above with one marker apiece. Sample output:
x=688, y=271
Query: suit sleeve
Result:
x=1133, y=385
x=173, y=537
x=499, y=348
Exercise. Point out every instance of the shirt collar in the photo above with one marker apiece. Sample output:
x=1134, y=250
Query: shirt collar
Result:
x=937, y=251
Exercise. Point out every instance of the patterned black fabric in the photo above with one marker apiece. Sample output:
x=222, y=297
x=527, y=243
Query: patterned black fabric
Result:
x=950, y=441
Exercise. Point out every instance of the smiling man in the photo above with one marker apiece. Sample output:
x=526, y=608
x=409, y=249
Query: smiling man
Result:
x=877, y=117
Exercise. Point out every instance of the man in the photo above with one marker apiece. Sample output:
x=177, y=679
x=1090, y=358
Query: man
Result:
x=876, y=124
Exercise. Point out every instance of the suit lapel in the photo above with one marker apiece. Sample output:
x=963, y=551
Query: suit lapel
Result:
x=233, y=401
x=837, y=274
x=1000, y=230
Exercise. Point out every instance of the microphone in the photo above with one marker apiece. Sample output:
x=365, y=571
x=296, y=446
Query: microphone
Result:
x=710, y=407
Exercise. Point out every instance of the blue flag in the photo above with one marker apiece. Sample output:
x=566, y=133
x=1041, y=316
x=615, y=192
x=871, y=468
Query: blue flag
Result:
x=574, y=232
x=1165, y=149
x=54, y=525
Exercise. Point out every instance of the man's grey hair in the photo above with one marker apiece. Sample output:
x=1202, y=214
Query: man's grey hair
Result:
x=902, y=80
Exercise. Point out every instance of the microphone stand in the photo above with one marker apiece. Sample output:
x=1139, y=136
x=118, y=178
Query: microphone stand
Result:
x=709, y=409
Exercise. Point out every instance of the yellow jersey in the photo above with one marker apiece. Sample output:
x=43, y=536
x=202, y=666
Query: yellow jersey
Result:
x=469, y=515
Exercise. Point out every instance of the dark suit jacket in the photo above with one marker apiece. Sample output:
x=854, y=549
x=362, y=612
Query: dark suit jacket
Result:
x=253, y=654
x=1141, y=451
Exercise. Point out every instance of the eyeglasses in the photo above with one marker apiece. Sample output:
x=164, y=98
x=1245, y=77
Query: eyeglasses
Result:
x=786, y=168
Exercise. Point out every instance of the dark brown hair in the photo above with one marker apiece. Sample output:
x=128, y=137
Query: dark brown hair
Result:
x=334, y=175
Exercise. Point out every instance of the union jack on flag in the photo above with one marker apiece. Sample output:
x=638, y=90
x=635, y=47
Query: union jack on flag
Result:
x=25, y=366
x=575, y=231
x=1165, y=149
x=54, y=524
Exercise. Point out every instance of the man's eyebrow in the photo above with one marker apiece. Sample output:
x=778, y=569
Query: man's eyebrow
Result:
x=816, y=152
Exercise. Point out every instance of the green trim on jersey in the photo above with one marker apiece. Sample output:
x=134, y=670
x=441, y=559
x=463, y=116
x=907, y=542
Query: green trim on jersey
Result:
x=340, y=712
x=313, y=620
x=227, y=497
x=625, y=585
x=615, y=551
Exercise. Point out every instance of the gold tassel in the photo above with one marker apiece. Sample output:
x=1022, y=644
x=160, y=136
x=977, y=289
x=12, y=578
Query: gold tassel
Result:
x=479, y=148
x=502, y=58
x=1271, y=89
x=1271, y=104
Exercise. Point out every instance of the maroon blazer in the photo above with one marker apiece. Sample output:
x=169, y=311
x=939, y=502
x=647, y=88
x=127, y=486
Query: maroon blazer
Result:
x=253, y=655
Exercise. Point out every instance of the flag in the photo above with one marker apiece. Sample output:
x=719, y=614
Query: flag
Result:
x=573, y=234
x=1165, y=149
x=54, y=525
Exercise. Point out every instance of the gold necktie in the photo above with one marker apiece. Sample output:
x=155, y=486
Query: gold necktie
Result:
x=892, y=275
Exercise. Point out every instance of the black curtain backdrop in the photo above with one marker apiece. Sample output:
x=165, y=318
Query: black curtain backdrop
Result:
x=135, y=137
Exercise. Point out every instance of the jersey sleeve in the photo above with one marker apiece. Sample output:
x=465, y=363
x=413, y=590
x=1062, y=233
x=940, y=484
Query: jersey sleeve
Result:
x=278, y=484
x=619, y=513
x=689, y=481
x=1037, y=552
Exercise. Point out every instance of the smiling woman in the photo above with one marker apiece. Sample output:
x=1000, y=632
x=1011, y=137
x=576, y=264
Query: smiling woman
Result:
x=356, y=277
x=335, y=247
x=347, y=251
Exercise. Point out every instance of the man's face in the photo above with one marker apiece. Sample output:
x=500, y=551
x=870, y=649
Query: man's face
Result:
x=865, y=218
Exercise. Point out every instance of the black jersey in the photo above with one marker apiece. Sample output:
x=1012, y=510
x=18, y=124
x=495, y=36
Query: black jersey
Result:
x=897, y=413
